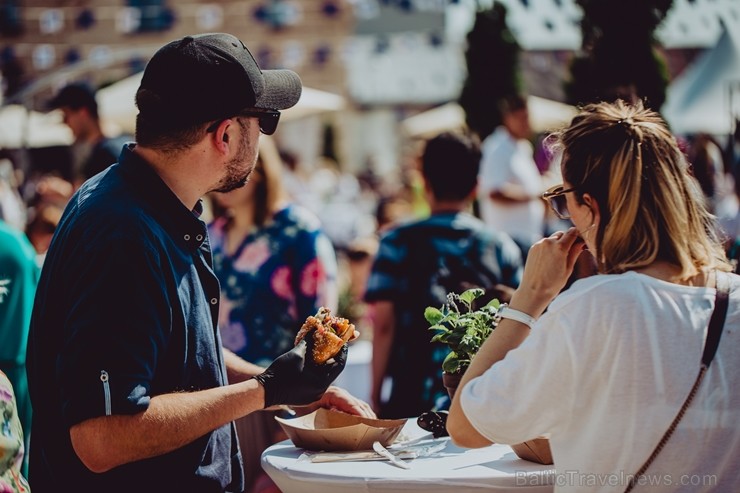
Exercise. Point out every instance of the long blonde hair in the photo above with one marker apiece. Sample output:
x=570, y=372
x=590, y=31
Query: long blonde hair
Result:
x=269, y=191
x=625, y=157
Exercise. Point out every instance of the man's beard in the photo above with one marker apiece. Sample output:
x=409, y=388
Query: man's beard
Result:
x=236, y=175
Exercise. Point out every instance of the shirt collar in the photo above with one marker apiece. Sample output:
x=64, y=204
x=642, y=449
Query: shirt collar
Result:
x=183, y=224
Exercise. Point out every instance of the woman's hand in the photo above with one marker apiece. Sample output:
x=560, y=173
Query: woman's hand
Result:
x=550, y=263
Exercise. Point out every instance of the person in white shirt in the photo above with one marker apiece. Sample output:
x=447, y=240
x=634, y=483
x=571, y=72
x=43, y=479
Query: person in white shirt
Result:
x=509, y=182
x=609, y=362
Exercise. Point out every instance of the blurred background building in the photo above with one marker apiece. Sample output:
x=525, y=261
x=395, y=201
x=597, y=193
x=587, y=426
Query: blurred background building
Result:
x=379, y=61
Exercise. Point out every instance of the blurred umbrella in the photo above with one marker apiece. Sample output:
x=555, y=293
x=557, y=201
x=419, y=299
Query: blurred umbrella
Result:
x=544, y=115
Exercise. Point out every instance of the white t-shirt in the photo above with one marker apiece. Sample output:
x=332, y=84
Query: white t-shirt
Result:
x=506, y=160
x=605, y=371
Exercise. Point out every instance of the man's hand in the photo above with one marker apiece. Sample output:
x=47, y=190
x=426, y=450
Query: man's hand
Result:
x=294, y=379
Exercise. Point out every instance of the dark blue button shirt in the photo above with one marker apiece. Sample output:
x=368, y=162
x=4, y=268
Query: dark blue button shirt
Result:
x=126, y=309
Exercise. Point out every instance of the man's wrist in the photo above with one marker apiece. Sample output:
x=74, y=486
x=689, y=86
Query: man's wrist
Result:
x=261, y=389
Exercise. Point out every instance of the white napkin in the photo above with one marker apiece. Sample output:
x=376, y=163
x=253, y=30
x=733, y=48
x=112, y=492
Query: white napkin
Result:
x=424, y=448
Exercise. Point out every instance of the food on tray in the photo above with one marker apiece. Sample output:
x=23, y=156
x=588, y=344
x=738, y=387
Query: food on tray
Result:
x=329, y=334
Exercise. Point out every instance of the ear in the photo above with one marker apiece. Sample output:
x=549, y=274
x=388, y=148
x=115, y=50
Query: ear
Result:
x=222, y=136
x=592, y=204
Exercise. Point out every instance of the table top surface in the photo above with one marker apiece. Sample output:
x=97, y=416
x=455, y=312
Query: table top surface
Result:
x=492, y=466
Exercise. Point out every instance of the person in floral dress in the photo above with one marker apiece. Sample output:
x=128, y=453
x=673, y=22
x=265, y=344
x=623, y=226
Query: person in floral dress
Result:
x=276, y=267
x=11, y=441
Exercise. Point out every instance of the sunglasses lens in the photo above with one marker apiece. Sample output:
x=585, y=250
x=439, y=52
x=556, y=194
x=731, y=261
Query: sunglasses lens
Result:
x=558, y=202
x=269, y=122
x=560, y=205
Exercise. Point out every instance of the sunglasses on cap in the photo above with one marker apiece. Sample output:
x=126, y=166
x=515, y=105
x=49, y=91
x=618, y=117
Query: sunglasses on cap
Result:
x=555, y=196
x=268, y=120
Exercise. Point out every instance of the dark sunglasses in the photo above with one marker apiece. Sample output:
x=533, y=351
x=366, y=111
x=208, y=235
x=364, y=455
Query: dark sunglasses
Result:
x=268, y=120
x=555, y=196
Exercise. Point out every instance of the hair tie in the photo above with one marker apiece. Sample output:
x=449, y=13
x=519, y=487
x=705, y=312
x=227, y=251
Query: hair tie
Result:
x=634, y=132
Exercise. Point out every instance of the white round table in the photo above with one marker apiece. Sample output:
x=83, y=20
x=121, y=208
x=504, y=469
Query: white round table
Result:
x=452, y=469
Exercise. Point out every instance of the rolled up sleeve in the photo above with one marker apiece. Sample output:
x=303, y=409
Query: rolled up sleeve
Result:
x=117, y=329
x=527, y=394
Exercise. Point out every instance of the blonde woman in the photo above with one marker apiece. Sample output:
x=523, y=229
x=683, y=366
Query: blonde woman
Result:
x=605, y=367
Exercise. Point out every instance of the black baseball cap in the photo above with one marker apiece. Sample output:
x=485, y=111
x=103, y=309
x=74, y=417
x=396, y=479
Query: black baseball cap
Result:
x=205, y=77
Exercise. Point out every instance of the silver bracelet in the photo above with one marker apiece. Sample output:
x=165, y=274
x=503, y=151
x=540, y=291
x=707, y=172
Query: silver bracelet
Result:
x=505, y=311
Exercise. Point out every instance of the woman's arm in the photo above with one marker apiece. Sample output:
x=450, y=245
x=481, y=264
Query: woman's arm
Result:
x=549, y=264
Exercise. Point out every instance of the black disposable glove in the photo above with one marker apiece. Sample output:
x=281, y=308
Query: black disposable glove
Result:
x=294, y=379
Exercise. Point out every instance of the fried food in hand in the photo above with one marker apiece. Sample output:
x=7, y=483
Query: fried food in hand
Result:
x=329, y=334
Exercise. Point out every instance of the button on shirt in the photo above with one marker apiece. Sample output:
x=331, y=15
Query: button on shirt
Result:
x=126, y=309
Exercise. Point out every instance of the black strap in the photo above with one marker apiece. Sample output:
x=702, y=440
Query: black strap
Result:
x=717, y=322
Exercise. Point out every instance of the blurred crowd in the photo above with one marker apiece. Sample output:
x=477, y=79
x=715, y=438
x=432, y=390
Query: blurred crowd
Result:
x=304, y=235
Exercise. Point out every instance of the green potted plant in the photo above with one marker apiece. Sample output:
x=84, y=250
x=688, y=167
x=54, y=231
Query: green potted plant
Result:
x=463, y=328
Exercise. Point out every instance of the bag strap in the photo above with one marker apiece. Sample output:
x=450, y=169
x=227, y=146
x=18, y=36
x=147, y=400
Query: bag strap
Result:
x=717, y=322
x=714, y=333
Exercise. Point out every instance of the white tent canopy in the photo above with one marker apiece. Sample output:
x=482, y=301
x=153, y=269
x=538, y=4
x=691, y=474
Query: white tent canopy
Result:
x=699, y=99
x=20, y=128
x=118, y=110
x=544, y=115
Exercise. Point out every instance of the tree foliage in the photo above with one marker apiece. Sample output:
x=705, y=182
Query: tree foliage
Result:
x=492, y=58
x=619, y=56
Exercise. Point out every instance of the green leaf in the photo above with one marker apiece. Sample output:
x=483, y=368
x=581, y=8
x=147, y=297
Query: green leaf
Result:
x=454, y=339
x=494, y=303
x=433, y=315
x=451, y=363
x=439, y=338
x=470, y=295
x=440, y=328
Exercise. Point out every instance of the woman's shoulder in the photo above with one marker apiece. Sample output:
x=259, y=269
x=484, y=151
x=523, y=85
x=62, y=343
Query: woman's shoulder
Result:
x=297, y=216
x=593, y=290
x=734, y=280
x=607, y=290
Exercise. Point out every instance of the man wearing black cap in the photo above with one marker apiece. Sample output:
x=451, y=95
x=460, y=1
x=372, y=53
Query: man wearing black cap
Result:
x=130, y=386
x=92, y=151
